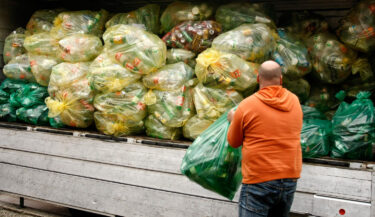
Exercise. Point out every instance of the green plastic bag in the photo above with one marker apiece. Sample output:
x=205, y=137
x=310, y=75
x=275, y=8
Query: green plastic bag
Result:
x=79, y=48
x=178, y=12
x=13, y=45
x=37, y=115
x=19, y=69
x=357, y=28
x=156, y=129
x=196, y=36
x=315, y=138
x=86, y=22
x=252, y=42
x=300, y=87
x=195, y=126
x=331, y=59
x=4, y=97
x=31, y=95
x=211, y=103
x=292, y=55
x=56, y=122
x=11, y=86
x=8, y=112
x=42, y=44
x=225, y=70
x=176, y=55
x=41, y=67
x=212, y=163
x=42, y=21
x=137, y=50
x=354, y=129
x=312, y=113
x=169, y=77
x=146, y=17
x=235, y=14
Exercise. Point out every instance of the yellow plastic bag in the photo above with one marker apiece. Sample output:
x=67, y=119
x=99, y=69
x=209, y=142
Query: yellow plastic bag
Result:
x=169, y=77
x=41, y=67
x=224, y=70
x=13, y=45
x=252, y=42
x=195, y=126
x=156, y=129
x=211, y=103
x=41, y=21
x=146, y=17
x=19, y=69
x=136, y=49
x=117, y=124
x=70, y=94
x=108, y=76
x=79, y=48
x=42, y=44
x=87, y=22
x=176, y=55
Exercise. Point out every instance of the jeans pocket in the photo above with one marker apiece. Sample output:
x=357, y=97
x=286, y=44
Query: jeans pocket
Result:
x=254, y=199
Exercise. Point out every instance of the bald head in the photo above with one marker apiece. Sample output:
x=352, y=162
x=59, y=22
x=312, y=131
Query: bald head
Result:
x=269, y=73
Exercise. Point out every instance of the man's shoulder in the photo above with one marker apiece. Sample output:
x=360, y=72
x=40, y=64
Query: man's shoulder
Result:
x=248, y=101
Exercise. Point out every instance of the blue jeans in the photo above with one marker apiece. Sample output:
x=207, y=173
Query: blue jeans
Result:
x=271, y=199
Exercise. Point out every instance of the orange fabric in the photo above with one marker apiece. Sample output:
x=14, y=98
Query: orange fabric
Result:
x=268, y=126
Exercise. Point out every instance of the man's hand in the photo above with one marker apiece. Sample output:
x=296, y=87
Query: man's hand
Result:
x=230, y=115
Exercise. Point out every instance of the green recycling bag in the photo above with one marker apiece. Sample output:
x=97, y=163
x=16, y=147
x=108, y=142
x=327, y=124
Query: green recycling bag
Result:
x=312, y=113
x=7, y=112
x=10, y=85
x=353, y=129
x=37, y=115
x=315, y=138
x=30, y=95
x=212, y=163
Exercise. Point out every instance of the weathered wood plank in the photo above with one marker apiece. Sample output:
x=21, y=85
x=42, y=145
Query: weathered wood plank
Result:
x=108, y=197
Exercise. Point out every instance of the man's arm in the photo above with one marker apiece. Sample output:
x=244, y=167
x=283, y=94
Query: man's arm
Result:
x=235, y=132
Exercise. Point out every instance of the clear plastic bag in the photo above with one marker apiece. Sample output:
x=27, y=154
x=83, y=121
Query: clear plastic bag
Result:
x=42, y=44
x=235, y=14
x=171, y=108
x=137, y=50
x=13, y=45
x=354, y=129
x=212, y=163
x=315, y=138
x=196, y=36
x=300, y=87
x=108, y=76
x=357, y=29
x=178, y=12
x=156, y=129
x=252, y=42
x=71, y=97
x=19, y=68
x=42, y=21
x=117, y=124
x=331, y=59
x=211, y=103
x=169, y=77
x=146, y=17
x=292, y=55
x=79, y=48
x=195, y=126
x=224, y=70
x=87, y=22
x=41, y=67
x=176, y=55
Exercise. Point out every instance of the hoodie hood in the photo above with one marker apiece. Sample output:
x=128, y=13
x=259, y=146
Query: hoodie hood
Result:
x=277, y=97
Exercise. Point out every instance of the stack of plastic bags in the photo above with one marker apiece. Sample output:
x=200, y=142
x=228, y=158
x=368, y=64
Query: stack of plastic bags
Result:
x=169, y=100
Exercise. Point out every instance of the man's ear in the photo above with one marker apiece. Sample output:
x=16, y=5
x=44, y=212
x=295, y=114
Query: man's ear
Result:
x=258, y=79
x=281, y=80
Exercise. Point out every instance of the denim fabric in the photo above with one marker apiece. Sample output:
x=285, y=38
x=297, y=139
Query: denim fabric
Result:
x=271, y=199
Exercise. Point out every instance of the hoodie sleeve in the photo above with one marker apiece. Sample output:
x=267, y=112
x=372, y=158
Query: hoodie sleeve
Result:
x=235, y=132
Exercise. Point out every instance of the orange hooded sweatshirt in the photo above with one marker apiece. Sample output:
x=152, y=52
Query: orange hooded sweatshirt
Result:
x=268, y=126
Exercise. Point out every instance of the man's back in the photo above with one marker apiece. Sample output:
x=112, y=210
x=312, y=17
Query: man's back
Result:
x=269, y=126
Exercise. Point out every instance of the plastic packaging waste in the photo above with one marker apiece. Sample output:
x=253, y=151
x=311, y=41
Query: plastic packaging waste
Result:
x=224, y=70
x=235, y=14
x=322, y=97
x=37, y=115
x=42, y=21
x=30, y=95
x=354, y=128
x=176, y=55
x=315, y=138
x=252, y=42
x=41, y=67
x=157, y=129
x=11, y=86
x=196, y=36
x=8, y=112
x=178, y=12
x=70, y=95
x=137, y=50
x=117, y=124
x=13, y=45
x=19, y=68
x=42, y=44
x=146, y=17
x=212, y=163
x=300, y=87
x=195, y=126
x=312, y=113
x=357, y=29
x=169, y=77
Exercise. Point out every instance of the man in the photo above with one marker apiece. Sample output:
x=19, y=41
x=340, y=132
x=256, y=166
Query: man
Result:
x=268, y=125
